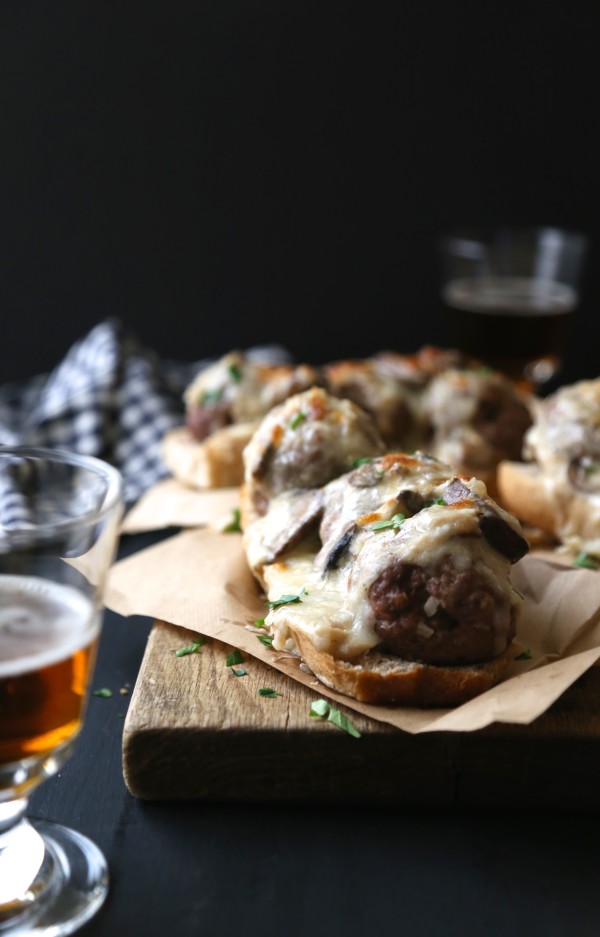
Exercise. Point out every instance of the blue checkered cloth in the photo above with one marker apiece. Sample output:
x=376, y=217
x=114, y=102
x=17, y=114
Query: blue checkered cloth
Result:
x=111, y=398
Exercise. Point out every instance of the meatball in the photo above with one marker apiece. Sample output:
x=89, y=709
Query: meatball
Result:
x=476, y=418
x=442, y=615
x=304, y=443
x=240, y=389
x=381, y=393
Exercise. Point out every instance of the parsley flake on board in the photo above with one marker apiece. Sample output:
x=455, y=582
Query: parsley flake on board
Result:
x=586, y=561
x=234, y=658
x=189, y=649
x=395, y=522
x=284, y=600
x=267, y=692
x=265, y=639
x=104, y=692
x=234, y=526
x=240, y=672
x=321, y=708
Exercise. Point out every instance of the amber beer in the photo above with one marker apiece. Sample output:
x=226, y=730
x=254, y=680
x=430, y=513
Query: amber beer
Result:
x=518, y=325
x=48, y=636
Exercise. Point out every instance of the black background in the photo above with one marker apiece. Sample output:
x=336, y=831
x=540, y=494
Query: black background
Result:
x=218, y=173
x=227, y=172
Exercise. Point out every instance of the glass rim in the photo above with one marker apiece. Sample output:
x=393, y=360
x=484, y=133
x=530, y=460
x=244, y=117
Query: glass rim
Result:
x=487, y=235
x=113, y=497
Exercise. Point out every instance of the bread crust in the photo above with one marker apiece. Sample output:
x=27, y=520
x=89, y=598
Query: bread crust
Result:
x=522, y=491
x=375, y=677
x=216, y=462
x=364, y=671
x=552, y=505
x=247, y=509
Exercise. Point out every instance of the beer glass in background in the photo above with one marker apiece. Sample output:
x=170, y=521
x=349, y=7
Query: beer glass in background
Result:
x=59, y=517
x=509, y=296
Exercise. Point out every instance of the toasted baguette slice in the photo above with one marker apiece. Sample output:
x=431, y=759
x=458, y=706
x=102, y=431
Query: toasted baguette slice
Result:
x=552, y=504
x=216, y=462
x=375, y=677
x=522, y=491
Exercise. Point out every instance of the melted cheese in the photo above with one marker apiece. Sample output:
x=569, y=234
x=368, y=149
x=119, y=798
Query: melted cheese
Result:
x=306, y=441
x=251, y=388
x=334, y=610
x=567, y=427
x=567, y=424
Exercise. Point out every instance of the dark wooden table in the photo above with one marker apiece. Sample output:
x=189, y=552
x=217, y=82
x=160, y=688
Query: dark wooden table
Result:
x=210, y=868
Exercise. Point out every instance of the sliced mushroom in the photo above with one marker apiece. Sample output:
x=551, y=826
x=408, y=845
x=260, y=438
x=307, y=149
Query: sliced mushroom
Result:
x=584, y=474
x=291, y=518
x=494, y=527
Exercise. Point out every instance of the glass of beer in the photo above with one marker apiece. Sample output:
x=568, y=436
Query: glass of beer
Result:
x=510, y=296
x=59, y=520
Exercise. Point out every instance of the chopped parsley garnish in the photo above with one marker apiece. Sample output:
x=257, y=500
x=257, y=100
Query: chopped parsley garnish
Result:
x=234, y=658
x=234, y=526
x=104, y=692
x=524, y=655
x=265, y=639
x=358, y=462
x=235, y=372
x=240, y=672
x=395, y=522
x=586, y=561
x=284, y=600
x=321, y=708
x=268, y=692
x=211, y=396
x=259, y=623
x=430, y=504
x=189, y=649
x=298, y=419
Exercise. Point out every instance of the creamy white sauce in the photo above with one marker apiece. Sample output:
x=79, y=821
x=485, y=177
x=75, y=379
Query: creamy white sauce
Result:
x=250, y=388
x=334, y=610
x=567, y=425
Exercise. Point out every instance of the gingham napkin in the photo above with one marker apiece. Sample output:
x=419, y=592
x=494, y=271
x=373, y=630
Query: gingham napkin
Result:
x=110, y=397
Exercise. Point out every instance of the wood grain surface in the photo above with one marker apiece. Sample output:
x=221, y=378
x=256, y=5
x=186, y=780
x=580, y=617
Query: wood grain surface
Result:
x=195, y=731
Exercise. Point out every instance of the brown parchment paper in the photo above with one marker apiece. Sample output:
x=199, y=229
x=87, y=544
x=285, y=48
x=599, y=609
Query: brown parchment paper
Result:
x=172, y=504
x=199, y=580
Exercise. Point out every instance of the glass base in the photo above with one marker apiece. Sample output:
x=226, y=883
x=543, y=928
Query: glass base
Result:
x=70, y=886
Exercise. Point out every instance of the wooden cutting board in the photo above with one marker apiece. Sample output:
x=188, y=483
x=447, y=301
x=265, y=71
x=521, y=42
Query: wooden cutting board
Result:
x=195, y=731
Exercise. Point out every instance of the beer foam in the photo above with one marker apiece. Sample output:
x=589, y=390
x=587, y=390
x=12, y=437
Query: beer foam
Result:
x=41, y=623
x=511, y=296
